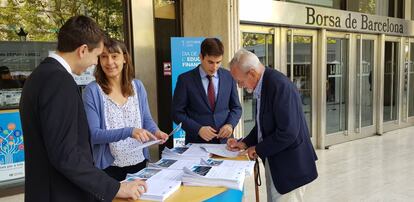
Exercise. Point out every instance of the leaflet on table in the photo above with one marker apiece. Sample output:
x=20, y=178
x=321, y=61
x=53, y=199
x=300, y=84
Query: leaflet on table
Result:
x=220, y=150
x=175, y=163
x=192, y=152
x=215, y=176
x=248, y=166
x=154, y=173
x=160, y=183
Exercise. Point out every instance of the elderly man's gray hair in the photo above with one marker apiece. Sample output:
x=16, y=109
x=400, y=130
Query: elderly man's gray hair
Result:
x=245, y=59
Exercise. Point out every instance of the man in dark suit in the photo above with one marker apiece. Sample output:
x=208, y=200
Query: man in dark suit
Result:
x=58, y=156
x=206, y=99
x=280, y=136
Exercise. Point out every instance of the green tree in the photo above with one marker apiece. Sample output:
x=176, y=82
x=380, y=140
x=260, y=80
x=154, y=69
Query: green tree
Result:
x=42, y=19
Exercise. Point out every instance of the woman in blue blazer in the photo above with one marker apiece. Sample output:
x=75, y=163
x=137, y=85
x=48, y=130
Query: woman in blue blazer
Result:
x=118, y=114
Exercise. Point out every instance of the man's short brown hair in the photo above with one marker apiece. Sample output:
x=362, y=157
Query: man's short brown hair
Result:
x=212, y=47
x=77, y=31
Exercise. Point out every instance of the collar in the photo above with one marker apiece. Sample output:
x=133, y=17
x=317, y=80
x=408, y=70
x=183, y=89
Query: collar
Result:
x=203, y=74
x=61, y=61
x=257, y=91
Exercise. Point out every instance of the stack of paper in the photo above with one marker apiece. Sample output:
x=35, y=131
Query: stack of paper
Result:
x=188, y=152
x=175, y=164
x=247, y=166
x=161, y=183
x=214, y=176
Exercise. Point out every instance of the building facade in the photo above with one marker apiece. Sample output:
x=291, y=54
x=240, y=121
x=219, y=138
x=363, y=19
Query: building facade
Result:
x=352, y=61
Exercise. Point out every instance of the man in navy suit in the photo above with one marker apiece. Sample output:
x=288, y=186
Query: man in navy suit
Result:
x=59, y=164
x=206, y=99
x=280, y=136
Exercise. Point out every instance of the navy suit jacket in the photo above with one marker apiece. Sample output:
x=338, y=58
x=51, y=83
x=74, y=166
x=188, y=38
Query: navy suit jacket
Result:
x=286, y=142
x=58, y=156
x=191, y=107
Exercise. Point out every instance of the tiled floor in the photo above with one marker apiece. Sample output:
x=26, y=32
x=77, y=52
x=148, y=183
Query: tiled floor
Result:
x=378, y=168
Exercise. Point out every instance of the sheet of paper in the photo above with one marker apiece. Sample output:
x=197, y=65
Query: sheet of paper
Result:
x=144, y=173
x=192, y=152
x=248, y=166
x=168, y=174
x=147, y=144
x=220, y=150
x=214, y=176
x=178, y=127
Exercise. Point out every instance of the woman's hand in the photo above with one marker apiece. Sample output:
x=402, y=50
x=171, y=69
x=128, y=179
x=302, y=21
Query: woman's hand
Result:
x=142, y=135
x=162, y=136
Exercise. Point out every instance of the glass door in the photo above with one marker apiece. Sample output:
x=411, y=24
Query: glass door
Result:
x=410, y=82
x=260, y=41
x=300, y=62
x=390, y=79
x=336, y=87
x=364, y=104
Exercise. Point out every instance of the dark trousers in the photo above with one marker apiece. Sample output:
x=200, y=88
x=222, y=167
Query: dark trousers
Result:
x=120, y=173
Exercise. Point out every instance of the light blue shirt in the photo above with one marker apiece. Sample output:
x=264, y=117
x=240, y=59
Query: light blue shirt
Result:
x=205, y=81
x=256, y=95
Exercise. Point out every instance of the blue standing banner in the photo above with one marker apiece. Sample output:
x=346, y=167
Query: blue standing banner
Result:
x=11, y=146
x=185, y=53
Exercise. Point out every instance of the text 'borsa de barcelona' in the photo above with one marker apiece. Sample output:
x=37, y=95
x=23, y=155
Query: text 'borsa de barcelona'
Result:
x=363, y=23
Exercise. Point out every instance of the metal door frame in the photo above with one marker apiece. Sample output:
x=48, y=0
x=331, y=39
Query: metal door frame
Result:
x=394, y=124
x=284, y=32
x=341, y=136
x=361, y=132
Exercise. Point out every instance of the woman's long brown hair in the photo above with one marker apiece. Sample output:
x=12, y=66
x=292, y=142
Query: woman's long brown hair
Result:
x=127, y=74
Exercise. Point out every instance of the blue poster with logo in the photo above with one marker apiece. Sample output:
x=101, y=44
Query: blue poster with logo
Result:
x=185, y=53
x=11, y=146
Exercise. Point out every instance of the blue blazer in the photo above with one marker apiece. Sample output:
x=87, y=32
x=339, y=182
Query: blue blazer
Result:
x=191, y=107
x=286, y=142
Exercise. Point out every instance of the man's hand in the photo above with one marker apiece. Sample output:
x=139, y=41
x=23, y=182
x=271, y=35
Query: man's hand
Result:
x=132, y=190
x=161, y=136
x=251, y=152
x=207, y=133
x=234, y=145
x=142, y=135
x=225, y=131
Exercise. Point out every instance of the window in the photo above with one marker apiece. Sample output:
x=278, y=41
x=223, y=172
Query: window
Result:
x=362, y=6
x=336, y=4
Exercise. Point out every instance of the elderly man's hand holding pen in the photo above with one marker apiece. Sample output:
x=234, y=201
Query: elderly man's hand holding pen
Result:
x=238, y=145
